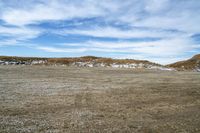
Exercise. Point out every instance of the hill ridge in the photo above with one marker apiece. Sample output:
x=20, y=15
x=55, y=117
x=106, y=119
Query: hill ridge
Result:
x=190, y=64
x=84, y=61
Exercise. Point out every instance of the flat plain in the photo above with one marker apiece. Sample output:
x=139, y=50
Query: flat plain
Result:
x=57, y=99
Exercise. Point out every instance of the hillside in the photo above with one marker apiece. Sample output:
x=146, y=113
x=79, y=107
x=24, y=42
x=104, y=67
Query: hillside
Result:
x=190, y=64
x=86, y=61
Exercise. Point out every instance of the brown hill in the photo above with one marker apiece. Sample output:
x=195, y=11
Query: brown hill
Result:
x=15, y=58
x=66, y=61
x=191, y=64
x=110, y=60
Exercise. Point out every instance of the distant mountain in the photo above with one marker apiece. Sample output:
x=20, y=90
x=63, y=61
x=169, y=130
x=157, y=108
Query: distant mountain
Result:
x=86, y=61
x=190, y=64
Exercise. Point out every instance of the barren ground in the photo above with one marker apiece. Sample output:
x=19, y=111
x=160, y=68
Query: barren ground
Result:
x=49, y=99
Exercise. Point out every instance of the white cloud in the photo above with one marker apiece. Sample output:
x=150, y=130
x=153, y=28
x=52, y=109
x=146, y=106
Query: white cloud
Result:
x=154, y=6
x=117, y=33
x=52, y=10
x=60, y=50
x=156, y=13
x=171, y=14
x=183, y=23
x=166, y=49
x=156, y=18
x=180, y=15
x=162, y=48
x=17, y=34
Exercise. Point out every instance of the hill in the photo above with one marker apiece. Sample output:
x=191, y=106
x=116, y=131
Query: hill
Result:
x=190, y=64
x=85, y=61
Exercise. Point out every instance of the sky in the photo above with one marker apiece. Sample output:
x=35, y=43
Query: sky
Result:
x=161, y=31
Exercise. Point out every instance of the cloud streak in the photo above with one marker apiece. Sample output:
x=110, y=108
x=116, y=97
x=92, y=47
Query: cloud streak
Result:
x=118, y=33
x=164, y=48
x=170, y=23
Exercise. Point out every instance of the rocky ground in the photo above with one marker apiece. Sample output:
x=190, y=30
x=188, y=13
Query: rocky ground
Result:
x=56, y=99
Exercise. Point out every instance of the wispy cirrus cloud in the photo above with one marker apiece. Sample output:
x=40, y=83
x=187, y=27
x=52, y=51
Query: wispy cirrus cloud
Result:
x=16, y=35
x=145, y=50
x=150, y=29
x=128, y=33
x=49, y=10
x=61, y=50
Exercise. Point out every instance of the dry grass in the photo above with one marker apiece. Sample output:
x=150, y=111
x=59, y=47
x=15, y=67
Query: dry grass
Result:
x=189, y=64
x=66, y=61
x=40, y=99
x=14, y=58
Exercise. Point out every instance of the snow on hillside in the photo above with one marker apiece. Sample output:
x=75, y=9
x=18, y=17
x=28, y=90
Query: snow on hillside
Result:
x=87, y=62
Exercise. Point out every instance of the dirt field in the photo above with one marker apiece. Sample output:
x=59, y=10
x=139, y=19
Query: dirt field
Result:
x=49, y=99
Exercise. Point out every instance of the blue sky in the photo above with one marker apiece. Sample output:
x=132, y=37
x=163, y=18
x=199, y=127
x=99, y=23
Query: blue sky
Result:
x=162, y=31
